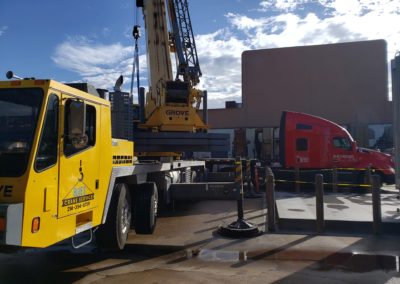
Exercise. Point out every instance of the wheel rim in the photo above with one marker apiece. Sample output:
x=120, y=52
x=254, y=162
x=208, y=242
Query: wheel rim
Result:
x=155, y=204
x=125, y=217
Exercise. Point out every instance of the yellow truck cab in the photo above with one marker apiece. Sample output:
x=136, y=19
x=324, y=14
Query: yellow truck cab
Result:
x=59, y=166
x=62, y=174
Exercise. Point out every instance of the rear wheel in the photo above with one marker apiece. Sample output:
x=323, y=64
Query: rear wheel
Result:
x=113, y=234
x=146, y=204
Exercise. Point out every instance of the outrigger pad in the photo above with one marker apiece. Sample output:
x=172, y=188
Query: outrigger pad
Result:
x=239, y=229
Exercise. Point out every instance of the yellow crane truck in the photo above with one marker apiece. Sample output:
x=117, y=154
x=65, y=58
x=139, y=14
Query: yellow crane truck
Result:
x=62, y=174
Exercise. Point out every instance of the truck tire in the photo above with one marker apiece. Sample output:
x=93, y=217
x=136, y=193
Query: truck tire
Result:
x=114, y=233
x=146, y=204
x=362, y=178
x=163, y=182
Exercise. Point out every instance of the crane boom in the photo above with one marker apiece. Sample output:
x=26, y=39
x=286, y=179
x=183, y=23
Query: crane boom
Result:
x=188, y=62
x=171, y=104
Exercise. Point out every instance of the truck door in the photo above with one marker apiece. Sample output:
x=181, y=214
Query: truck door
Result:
x=79, y=159
x=342, y=152
x=302, y=151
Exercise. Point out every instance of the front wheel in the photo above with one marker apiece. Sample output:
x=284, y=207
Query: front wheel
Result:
x=364, y=181
x=114, y=233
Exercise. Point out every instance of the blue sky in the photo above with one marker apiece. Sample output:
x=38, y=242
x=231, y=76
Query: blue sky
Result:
x=90, y=40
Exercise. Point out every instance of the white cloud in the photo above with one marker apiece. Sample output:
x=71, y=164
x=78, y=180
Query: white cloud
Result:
x=243, y=22
x=336, y=7
x=220, y=60
x=360, y=7
x=282, y=5
x=98, y=64
x=3, y=30
x=329, y=21
x=335, y=21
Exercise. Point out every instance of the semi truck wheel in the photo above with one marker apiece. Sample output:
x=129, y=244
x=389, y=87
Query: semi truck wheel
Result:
x=113, y=234
x=146, y=203
x=362, y=178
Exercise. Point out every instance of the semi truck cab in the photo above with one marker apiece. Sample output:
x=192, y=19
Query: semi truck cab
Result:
x=311, y=142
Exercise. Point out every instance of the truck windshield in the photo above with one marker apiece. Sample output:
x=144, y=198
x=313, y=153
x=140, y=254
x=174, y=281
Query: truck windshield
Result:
x=19, y=110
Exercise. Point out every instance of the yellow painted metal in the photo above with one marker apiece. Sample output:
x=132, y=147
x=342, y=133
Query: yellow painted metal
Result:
x=79, y=172
x=159, y=47
x=169, y=118
x=69, y=195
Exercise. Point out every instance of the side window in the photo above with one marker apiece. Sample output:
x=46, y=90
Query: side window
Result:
x=79, y=128
x=303, y=126
x=90, y=125
x=301, y=144
x=48, y=146
x=342, y=143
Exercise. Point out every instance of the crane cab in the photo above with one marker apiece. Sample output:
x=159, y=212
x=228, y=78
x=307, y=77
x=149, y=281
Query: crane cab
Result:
x=56, y=156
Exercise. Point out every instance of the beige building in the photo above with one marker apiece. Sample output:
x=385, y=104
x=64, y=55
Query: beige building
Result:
x=346, y=83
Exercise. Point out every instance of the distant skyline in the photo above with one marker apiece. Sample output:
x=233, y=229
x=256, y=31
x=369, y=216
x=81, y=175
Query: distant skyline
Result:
x=90, y=40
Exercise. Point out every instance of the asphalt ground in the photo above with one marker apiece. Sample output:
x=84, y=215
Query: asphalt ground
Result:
x=186, y=248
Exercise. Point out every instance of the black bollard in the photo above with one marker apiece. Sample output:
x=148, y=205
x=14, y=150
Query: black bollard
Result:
x=240, y=228
x=376, y=204
x=334, y=180
x=297, y=179
x=319, y=202
x=271, y=203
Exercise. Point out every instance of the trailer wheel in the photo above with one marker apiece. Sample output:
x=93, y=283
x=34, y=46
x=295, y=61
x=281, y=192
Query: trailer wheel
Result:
x=146, y=204
x=113, y=234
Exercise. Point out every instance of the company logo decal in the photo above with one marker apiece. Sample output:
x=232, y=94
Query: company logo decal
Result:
x=177, y=112
x=78, y=197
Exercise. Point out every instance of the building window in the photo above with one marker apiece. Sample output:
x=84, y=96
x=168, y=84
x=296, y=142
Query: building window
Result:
x=380, y=136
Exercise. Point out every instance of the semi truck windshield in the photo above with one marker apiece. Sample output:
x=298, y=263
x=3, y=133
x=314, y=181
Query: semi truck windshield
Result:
x=19, y=111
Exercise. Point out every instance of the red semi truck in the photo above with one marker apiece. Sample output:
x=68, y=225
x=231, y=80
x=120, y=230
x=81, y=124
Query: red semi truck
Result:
x=309, y=143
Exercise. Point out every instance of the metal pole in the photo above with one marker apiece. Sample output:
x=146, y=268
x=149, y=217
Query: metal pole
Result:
x=239, y=182
x=257, y=185
x=395, y=68
x=334, y=180
x=319, y=202
x=376, y=204
x=368, y=178
x=271, y=202
x=248, y=176
x=141, y=104
x=205, y=107
x=241, y=227
x=297, y=179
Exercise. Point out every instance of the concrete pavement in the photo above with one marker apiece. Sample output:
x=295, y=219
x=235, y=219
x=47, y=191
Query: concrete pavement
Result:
x=186, y=249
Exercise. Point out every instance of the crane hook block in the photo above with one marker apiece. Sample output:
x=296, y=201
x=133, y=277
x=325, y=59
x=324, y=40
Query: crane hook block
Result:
x=136, y=32
x=139, y=3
